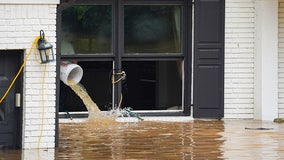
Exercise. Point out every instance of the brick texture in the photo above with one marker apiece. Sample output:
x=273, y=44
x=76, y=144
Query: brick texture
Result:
x=19, y=25
x=281, y=59
x=239, y=59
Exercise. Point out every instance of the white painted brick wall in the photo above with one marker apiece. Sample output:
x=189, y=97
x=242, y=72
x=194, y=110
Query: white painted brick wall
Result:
x=40, y=154
x=20, y=22
x=239, y=59
x=281, y=59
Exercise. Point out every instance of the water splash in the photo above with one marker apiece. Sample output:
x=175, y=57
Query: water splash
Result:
x=81, y=91
x=95, y=113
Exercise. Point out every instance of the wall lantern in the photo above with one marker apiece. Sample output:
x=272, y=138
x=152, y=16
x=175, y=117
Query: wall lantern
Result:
x=45, y=49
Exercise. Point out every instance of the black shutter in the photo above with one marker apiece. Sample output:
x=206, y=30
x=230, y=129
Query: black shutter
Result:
x=208, y=85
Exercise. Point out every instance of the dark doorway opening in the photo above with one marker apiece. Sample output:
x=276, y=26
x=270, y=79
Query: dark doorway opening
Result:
x=10, y=110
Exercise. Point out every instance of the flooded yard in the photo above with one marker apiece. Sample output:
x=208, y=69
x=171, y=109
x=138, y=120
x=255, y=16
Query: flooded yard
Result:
x=198, y=139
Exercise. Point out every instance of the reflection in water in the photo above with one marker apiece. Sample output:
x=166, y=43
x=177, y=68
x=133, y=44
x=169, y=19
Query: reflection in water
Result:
x=143, y=140
x=253, y=140
x=199, y=139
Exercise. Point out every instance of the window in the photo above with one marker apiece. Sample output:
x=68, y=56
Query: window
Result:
x=153, y=85
x=148, y=40
x=152, y=29
x=86, y=29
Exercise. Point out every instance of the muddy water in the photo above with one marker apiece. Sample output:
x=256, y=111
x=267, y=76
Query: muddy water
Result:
x=107, y=139
x=81, y=91
x=229, y=139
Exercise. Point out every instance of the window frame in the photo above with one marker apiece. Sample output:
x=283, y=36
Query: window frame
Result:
x=117, y=55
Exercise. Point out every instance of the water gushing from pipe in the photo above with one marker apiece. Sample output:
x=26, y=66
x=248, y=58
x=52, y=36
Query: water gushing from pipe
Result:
x=81, y=91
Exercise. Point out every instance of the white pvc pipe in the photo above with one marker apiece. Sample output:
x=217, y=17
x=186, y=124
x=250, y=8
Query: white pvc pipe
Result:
x=70, y=73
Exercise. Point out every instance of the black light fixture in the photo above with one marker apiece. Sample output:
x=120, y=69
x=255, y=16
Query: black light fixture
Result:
x=45, y=49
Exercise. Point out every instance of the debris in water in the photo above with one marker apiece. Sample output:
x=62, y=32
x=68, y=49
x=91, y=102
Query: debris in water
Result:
x=260, y=128
x=134, y=114
x=278, y=120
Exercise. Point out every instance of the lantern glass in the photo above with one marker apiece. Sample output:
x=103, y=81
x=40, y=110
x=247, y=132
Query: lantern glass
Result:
x=45, y=49
x=42, y=56
x=46, y=55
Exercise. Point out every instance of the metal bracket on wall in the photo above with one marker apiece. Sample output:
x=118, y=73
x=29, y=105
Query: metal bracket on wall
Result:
x=18, y=100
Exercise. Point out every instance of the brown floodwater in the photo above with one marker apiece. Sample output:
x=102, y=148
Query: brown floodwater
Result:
x=198, y=139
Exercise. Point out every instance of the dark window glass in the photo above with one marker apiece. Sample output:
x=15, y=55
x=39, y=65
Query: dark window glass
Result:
x=86, y=29
x=152, y=29
x=153, y=85
x=97, y=81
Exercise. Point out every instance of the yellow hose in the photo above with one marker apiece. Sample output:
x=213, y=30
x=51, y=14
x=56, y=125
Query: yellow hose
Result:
x=42, y=108
x=33, y=47
x=115, y=82
x=20, y=70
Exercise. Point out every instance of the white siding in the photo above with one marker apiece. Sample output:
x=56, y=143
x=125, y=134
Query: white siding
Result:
x=281, y=60
x=239, y=59
x=20, y=23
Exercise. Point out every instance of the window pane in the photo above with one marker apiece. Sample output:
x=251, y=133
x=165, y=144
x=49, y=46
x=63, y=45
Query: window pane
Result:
x=86, y=29
x=96, y=80
x=152, y=29
x=153, y=85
